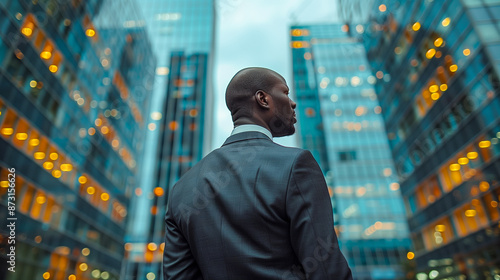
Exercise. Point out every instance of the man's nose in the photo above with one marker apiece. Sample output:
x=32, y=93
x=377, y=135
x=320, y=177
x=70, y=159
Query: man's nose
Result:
x=293, y=104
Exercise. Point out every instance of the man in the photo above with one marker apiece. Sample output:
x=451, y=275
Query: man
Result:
x=253, y=209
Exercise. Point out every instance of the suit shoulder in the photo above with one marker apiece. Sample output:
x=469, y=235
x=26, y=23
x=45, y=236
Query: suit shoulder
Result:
x=291, y=151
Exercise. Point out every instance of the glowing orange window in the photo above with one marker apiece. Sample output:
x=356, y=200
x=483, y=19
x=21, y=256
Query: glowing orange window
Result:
x=33, y=141
x=4, y=181
x=41, y=150
x=48, y=210
x=38, y=204
x=10, y=120
x=421, y=200
x=485, y=148
x=39, y=39
x=21, y=133
x=491, y=206
x=444, y=178
x=26, y=199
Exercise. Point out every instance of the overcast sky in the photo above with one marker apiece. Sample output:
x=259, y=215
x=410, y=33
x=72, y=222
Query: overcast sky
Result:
x=256, y=33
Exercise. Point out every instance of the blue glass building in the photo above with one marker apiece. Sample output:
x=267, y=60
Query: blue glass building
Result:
x=182, y=35
x=340, y=122
x=437, y=64
x=74, y=94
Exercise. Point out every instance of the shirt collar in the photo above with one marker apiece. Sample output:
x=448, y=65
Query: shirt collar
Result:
x=252, y=127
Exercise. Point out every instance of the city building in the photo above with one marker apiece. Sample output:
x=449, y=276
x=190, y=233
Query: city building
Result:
x=340, y=123
x=182, y=34
x=437, y=68
x=74, y=95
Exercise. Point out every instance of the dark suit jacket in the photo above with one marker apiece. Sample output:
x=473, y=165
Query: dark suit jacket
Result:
x=254, y=210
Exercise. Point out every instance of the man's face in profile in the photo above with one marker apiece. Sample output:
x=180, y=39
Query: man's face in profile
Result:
x=284, y=110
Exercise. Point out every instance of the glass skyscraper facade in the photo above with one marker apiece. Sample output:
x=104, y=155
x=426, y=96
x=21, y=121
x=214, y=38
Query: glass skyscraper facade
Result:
x=179, y=129
x=74, y=95
x=437, y=68
x=340, y=122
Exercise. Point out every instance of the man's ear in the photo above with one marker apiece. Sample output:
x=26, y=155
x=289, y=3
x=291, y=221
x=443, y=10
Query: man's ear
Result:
x=262, y=98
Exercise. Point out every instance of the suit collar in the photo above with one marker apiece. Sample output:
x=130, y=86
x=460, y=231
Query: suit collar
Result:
x=245, y=136
x=252, y=127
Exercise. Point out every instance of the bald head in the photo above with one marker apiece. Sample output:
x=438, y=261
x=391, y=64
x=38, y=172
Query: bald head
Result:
x=243, y=86
x=260, y=96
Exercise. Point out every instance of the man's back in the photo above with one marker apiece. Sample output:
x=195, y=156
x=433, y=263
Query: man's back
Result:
x=252, y=210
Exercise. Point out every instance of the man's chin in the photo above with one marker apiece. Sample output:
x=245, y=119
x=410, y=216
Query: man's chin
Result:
x=288, y=132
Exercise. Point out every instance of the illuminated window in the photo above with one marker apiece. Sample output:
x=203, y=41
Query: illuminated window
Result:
x=33, y=142
x=26, y=199
x=300, y=44
x=4, y=183
x=40, y=152
x=2, y=110
x=300, y=32
x=470, y=218
x=27, y=28
x=485, y=148
x=49, y=210
x=90, y=30
x=433, y=189
x=437, y=234
x=39, y=39
x=47, y=50
x=173, y=125
x=39, y=201
x=21, y=134
x=10, y=120
x=491, y=204
x=420, y=195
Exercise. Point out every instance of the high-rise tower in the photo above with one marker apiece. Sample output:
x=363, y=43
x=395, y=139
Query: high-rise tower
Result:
x=340, y=122
x=182, y=34
x=74, y=94
x=437, y=67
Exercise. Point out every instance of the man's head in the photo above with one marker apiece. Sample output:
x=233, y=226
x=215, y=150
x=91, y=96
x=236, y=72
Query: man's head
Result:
x=260, y=96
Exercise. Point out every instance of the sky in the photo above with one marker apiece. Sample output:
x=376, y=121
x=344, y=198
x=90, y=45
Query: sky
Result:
x=257, y=33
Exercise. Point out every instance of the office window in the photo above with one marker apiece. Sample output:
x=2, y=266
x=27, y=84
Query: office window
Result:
x=4, y=185
x=420, y=195
x=347, y=155
x=418, y=242
x=438, y=233
x=9, y=122
x=470, y=218
x=38, y=206
x=21, y=133
x=40, y=153
x=26, y=199
x=411, y=205
x=46, y=217
x=3, y=110
x=484, y=145
x=491, y=205
x=460, y=168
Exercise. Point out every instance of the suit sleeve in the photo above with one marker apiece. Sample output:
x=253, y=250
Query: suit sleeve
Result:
x=178, y=261
x=312, y=233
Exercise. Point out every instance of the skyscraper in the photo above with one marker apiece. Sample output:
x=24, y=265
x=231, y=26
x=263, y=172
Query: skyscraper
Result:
x=182, y=34
x=340, y=122
x=437, y=64
x=74, y=93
